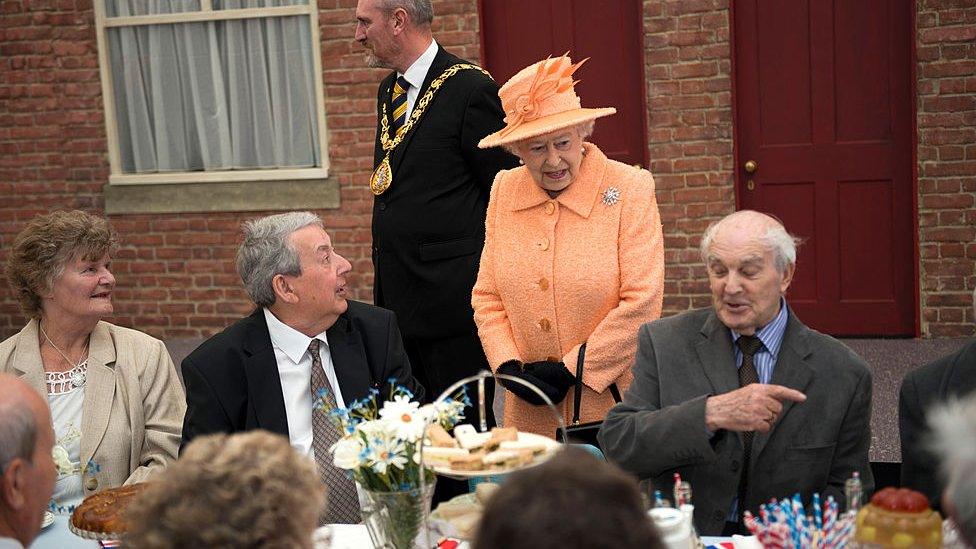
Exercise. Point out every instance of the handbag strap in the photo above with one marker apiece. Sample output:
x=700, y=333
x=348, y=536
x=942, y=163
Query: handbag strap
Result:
x=614, y=391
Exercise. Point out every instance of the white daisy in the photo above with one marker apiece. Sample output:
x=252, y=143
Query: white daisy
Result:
x=404, y=418
x=385, y=453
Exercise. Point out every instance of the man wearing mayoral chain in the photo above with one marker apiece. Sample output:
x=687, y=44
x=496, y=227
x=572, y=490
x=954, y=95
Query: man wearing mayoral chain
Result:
x=431, y=183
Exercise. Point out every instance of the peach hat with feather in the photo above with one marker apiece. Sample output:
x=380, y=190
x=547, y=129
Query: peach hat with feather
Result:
x=539, y=99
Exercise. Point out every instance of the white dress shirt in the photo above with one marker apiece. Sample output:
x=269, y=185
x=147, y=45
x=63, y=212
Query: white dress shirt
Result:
x=417, y=73
x=295, y=371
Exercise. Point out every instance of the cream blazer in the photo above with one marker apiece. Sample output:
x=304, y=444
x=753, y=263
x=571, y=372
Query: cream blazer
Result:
x=132, y=415
x=587, y=265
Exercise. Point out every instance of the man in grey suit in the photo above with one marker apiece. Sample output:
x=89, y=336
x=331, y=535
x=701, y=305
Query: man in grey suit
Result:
x=742, y=399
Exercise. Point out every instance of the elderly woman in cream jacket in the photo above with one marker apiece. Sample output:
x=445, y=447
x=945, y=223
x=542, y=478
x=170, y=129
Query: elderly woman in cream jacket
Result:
x=573, y=254
x=116, y=402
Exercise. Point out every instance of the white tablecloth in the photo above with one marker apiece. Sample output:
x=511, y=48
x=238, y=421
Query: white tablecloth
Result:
x=57, y=536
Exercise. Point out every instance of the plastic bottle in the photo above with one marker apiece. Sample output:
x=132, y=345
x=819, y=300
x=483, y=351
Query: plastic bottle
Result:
x=852, y=491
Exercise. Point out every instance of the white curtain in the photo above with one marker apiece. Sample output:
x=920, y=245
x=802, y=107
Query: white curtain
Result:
x=218, y=95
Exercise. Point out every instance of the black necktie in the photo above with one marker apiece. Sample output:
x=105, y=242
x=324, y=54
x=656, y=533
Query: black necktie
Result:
x=749, y=345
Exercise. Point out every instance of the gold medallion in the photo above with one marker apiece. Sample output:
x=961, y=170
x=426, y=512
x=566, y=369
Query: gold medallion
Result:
x=382, y=177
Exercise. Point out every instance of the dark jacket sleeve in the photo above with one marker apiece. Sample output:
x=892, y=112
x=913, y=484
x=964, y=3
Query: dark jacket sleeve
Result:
x=397, y=363
x=204, y=414
x=483, y=115
x=637, y=429
x=853, y=443
x=918, y=465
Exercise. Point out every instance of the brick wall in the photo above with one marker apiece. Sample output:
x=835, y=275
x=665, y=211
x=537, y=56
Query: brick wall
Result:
x=175, y=272
x=688, y=69
x=946, y=103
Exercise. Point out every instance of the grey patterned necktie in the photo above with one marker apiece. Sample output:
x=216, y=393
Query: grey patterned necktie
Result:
x=343, y=502
x=749, y=345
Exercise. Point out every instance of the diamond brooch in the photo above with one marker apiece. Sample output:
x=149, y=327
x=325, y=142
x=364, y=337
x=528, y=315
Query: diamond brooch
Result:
x=610, y=196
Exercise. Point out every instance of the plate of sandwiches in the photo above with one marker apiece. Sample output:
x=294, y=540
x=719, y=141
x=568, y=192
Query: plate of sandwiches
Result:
x=470, y=453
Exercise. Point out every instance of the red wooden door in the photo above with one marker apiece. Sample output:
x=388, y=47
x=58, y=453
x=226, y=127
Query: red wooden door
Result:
x=517, y=33
x=823, y=108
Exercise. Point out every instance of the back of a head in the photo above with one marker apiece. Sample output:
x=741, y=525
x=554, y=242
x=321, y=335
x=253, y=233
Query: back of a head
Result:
x=246, y=490
x=954, y=438
x=572, y=501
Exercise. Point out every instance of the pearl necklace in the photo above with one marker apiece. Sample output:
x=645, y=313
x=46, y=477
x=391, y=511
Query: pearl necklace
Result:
x=78, y=377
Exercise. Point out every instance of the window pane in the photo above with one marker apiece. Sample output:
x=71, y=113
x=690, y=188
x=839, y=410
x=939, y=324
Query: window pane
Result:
x=123, y=8
x=218, y=95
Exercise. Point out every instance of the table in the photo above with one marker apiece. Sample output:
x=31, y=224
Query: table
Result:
x=58, y=536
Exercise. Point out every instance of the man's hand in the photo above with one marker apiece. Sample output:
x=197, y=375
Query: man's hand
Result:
x=754, y=407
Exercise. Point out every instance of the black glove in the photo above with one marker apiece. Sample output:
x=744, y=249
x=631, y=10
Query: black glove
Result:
x=553, y=374
x=514, y=368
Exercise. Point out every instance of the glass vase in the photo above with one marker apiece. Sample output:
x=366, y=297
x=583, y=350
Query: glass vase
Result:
x=395, y=519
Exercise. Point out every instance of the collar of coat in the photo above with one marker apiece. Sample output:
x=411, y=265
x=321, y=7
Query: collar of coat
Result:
x=579, y=196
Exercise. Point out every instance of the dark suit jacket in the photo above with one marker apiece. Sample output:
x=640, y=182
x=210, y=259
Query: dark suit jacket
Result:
x=659, y=428
x=429, y=226
x=950, y=376
x=232, y=381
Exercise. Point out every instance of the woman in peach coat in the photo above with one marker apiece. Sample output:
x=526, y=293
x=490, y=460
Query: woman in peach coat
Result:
x=573, y=253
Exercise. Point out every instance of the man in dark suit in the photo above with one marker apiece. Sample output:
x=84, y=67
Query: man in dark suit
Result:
x=950, y=376
x=742, y=399
x=432, y=184
x=305, y=345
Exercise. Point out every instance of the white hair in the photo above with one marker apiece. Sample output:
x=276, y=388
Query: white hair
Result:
x=781, y=243
x=583, y=129
x=18, y=432
x=954, y=429
x=266, y=252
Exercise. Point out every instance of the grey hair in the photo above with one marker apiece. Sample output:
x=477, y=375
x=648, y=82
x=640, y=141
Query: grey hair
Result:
x=266, y=251
x=421, y=12
x=777, y=240
x=954, y=429
x=584, y=129
x=18, y=433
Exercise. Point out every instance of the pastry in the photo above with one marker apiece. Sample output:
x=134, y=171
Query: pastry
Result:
x=469, y=438
x=470, y=462
x=104, y=512
x=499, y=435
x=439, y=437
x=534, y=447
x=437, y=456
x=899, y=517
x=508, y=458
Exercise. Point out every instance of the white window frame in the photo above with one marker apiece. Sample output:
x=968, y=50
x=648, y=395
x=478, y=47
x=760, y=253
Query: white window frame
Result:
x=207, y=13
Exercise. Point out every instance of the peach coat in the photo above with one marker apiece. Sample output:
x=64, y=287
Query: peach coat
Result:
x=557, y=272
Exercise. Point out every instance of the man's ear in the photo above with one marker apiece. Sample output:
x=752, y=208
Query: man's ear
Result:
x=283, y=290
x=787, y=277
x=398, y=20
x=14, y=484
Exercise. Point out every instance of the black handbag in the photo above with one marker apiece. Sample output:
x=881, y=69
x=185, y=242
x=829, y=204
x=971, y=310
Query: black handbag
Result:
x=583, y=433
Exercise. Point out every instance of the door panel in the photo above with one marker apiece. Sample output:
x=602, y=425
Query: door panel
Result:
x=823, y=106
x=516, y=33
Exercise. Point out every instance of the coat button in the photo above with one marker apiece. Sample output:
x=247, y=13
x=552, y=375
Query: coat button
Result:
x=543, y=284
x=91, y=484
x=550, y=208
x=382, y=206
x=545, y=325
x=542, y=244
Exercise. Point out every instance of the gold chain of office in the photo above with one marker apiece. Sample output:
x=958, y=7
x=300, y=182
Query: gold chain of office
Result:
x=383, y=174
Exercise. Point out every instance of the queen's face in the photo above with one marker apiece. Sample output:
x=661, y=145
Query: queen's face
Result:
x=83, y=290
x=553, y=159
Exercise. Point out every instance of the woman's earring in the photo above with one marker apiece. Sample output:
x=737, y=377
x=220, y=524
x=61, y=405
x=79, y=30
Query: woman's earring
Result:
x=582, y=150
x=520, y=161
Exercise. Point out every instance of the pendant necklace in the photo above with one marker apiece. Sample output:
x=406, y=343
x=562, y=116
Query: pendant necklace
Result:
x=78, y=375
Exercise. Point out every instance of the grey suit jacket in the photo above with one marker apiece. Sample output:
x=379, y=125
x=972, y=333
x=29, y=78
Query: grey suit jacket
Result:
x=659, y=428
x=133, y=407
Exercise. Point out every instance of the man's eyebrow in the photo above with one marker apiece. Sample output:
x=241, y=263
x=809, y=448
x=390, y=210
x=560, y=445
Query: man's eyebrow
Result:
x=752, y=260
x=324, y=248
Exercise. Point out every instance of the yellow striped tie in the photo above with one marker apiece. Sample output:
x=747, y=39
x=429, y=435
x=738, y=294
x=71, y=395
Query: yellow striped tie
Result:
x=400, y=104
